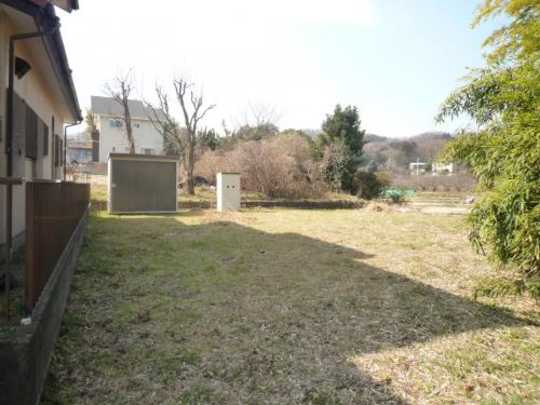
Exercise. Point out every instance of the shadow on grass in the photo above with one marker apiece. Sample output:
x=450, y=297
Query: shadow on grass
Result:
x=273, y=318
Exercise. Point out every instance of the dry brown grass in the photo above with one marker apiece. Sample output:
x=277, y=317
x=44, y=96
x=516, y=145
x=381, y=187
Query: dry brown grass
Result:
x=288, y=306
x=207, y=195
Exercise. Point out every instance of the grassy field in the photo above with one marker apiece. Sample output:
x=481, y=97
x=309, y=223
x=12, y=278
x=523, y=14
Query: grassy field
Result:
x=288, y=306
x=207, y=195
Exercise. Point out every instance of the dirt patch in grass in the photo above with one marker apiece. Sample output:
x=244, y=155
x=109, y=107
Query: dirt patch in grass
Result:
x=288, y=306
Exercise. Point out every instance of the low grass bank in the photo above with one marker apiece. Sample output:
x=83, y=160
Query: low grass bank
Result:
x=208, y=195
x=288, y=306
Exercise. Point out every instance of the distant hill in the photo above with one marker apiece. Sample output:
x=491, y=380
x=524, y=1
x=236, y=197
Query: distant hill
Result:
x=431, y=136
x=423, y=137
x=375, y=138
x=395, y=154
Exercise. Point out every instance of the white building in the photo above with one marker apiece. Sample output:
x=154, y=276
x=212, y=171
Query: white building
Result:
x=417, y=168
x=112, y=129
x=44, y=100
x=439, y=168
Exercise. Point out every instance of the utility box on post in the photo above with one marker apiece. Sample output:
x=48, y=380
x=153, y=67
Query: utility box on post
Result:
x=228, y=192
x=142, y=184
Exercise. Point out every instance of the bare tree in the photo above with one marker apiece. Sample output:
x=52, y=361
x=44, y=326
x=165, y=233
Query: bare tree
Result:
x=258, y=122
x=91, y=129
x=120, y=90
x=193, y=112
x=91, y=121
x=262, y=115
x=162, y=119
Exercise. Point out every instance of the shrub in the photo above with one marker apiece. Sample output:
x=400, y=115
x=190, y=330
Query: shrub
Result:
x=212, y=162
x=397, y=195
x=279, y=167
x=369, y=185
x=338, y=166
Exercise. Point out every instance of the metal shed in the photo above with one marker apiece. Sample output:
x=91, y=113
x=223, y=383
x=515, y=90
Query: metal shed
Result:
x=142, y=184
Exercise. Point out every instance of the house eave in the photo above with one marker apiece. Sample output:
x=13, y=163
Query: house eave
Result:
x=45, y=18
x=118, y=116
x=67, y=5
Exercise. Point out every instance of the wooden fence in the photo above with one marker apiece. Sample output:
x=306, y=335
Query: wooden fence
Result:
x=53, y=212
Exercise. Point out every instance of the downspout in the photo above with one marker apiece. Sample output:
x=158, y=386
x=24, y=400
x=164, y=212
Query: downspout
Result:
x=9, y=143
x=65, y=144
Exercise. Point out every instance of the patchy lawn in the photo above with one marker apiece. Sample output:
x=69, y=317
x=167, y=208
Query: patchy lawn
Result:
x=289, y=306
x=206, y=196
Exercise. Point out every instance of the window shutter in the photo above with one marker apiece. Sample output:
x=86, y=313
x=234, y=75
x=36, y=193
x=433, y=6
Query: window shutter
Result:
x=31, y=133
x=56, y=154
x=45, y=140
x=19, y=125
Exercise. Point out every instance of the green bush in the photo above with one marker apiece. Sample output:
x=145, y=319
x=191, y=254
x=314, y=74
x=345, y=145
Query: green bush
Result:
x=369, y=185
x=397, y=195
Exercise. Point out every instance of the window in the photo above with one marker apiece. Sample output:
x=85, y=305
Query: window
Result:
x=31, y=133
x=114, y=148
x=115, y=123
x=148, y=151
x=136, y=125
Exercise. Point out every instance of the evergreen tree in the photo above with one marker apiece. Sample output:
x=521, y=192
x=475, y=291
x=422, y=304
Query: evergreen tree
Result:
x=343, y=140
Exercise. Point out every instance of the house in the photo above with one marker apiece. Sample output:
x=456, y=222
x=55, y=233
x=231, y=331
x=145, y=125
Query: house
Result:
x=439, y=168
x=111, y=131
x=417, y=168
x=37, y=99
x=79, y=151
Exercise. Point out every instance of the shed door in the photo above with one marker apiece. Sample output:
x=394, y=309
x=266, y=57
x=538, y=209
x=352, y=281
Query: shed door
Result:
x=143, y=186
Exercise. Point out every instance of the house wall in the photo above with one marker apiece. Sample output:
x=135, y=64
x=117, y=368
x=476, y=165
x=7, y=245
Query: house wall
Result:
x=146, y=137
x=36, y=92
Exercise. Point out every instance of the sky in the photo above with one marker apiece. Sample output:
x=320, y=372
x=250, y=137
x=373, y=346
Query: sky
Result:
x=396, y=60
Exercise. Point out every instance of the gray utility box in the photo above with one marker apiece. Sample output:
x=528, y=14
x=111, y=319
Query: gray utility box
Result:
x=142, y=184
x=228, y=191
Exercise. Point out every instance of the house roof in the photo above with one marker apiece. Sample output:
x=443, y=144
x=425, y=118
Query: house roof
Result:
x=132, y=156
x=44, y=15
x=109, y=106
x=68, y=5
